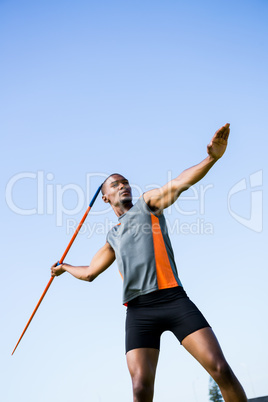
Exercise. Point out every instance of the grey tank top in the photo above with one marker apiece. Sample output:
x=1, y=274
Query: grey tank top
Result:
x=143, y=252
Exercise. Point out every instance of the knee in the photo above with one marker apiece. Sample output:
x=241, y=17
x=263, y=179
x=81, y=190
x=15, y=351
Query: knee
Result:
x=221, y=372
x=143, y=389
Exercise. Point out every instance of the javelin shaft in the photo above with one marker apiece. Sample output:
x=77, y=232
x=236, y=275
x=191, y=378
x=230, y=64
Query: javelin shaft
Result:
x=60, y=262
x=33, y=313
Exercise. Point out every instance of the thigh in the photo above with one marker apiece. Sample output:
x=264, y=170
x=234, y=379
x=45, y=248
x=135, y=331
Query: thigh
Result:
x=142, y=364
x=143, y=329
x=184, y=318
x=204, y=347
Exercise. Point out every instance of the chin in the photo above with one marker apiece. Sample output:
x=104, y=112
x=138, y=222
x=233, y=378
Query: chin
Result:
x=126, y=200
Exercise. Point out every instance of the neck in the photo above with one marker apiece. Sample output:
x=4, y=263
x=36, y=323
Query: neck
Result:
x=122, y=208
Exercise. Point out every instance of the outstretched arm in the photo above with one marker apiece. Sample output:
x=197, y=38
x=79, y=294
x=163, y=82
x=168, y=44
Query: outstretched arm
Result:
x=100, y=262
x=159, y=199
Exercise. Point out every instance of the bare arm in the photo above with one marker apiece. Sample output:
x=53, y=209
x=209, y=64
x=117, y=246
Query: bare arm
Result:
x=100, y=262
x=159, y=199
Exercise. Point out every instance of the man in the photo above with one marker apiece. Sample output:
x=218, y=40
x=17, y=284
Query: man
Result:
x=152, y=291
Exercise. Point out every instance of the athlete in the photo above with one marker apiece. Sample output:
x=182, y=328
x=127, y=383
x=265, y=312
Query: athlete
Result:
x=152, y=291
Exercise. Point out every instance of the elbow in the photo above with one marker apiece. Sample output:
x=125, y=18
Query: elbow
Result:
x=90, y=277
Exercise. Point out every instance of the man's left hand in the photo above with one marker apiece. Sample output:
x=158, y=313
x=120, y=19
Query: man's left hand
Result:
x=218, y=144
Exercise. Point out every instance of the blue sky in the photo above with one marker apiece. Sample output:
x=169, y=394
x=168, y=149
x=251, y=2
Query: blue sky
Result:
x=90, y=88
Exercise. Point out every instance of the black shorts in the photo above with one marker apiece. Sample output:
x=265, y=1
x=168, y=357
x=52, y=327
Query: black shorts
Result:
x=148, y=316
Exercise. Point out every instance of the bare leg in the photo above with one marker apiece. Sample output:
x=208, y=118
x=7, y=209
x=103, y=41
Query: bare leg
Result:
x=203, y=345
x=142, y=364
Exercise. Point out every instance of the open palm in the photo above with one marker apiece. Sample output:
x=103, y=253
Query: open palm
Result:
x=218, y=144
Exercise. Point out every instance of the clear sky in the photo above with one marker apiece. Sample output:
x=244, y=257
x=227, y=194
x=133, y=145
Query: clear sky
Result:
x=94, y=87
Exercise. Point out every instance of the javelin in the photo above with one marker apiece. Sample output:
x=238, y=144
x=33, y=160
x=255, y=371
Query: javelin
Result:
x=60, y=262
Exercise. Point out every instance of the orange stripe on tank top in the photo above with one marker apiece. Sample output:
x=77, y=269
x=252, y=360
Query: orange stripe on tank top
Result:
x=164, y=273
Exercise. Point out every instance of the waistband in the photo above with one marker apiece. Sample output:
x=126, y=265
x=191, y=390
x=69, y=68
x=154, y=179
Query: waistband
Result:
x=158, y=297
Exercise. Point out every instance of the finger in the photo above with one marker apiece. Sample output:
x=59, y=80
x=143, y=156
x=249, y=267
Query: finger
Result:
x=226, y=132
x=223, y=132
x=223, y=135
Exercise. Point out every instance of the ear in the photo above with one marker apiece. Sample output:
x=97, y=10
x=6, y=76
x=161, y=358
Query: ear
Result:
x=105, y=198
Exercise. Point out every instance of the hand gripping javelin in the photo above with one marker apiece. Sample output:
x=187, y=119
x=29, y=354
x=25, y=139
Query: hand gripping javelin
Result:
x=60, y=262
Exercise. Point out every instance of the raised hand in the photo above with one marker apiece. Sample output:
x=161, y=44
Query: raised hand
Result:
x=218, y=144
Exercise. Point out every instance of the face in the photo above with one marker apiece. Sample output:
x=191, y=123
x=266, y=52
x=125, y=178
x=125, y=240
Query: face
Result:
x=117, y=190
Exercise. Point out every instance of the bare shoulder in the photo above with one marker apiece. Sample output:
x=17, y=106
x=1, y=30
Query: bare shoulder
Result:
x=149, y=195
x=151, y=198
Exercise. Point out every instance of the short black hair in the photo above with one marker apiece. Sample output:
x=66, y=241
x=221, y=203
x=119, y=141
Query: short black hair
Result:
x=113, y=174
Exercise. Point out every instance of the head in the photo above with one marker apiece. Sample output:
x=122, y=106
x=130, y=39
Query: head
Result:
x=116, y=190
